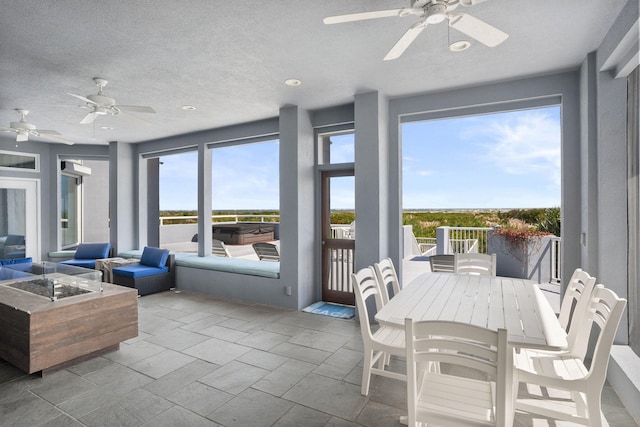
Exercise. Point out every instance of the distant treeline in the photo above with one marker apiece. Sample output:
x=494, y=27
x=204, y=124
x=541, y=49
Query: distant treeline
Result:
x=424, y=222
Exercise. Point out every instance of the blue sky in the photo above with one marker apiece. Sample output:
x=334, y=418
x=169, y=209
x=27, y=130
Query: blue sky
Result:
x=506, y=160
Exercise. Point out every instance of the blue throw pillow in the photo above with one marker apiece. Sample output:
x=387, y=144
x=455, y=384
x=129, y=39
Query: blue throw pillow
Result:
x=154, y=257
x=92, y=251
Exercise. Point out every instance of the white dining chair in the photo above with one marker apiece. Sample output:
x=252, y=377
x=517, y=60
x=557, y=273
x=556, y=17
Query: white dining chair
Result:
x=387, y=277
x=452, y=396
x=478, y=264
x=443, y=263
x=573, y=310
x=580, y=379
x=385, y=340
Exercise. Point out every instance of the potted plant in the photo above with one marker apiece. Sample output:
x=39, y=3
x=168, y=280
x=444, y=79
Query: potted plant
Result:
x=523, y=253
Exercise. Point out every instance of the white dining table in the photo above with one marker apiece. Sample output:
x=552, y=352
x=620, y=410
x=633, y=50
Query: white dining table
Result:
x=517, y=305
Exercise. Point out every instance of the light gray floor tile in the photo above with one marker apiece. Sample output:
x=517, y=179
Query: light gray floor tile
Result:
x=133, y=409
x=380, y=415
x=263, y=340
x=262, y=359
x=61, y=421
x=301, y=416
x=251, y=408
x=223, y=333
x=234, y=377
x=178, y=417
x=132, y=353
x=62, y=385
x=283, y=329
x=340, y=364
x=200, y=398
x=299, y=352
x=328, y=395
x=217, y=351
x=83, y=404
x=198, y=325
x=180, y=378
x=177, y=339
x=312, y=378
x=26, y=409
x=91, y=365
x=318, y=340
x=280, y=380
x=118, y=379
x=162, y=363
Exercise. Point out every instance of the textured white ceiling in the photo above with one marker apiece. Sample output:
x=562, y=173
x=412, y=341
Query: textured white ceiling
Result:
x=229, y=59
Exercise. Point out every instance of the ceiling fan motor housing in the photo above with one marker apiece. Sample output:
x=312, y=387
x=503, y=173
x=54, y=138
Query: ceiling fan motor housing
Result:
x=436, y=13
x=22, y=126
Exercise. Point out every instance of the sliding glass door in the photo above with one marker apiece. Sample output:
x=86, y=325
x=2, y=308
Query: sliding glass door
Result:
x=19, y=218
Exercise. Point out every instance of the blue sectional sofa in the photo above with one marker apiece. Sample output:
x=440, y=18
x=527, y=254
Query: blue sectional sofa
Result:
x=15, y=268
x=155, y=272
x=87, y=254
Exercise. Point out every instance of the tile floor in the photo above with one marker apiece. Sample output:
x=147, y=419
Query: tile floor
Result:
x=203, y=361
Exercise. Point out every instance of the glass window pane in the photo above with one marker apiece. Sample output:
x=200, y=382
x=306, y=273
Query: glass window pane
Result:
x=12, y=223
x=69, y=190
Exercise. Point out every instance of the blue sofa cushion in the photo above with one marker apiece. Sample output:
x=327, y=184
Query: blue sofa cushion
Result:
x=92, y=251
x=17, y=264
x=154, y=257
x=16, y=261
x=138, y=270
x=86, y=263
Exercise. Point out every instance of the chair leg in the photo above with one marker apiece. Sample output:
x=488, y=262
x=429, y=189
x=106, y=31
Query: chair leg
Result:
x=366, y=371
x=594, y=410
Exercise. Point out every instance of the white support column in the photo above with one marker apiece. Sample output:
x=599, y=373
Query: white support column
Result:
x=298, y=249
x=371, y=178
x=205, y=233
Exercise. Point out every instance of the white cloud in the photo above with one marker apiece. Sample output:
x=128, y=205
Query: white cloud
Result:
x=426, y=173
x=526, y=143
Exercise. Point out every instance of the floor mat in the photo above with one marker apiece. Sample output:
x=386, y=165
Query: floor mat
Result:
x=331, y=310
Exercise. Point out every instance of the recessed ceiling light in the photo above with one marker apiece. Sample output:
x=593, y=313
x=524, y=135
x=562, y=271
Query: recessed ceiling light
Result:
x=188, y=107
x=106, y=127
x=459, y=46
x=293, y=82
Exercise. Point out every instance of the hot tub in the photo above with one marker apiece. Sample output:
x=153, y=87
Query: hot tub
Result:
x=244, y=233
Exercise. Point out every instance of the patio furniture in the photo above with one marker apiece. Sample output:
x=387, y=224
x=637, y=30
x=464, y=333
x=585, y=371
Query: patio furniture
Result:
x=244, y=233
x=582, y=381
x=87, y=253
x=266, y=251
x=442, y=263
x=387, y=276
x=573, y=310
x=218, y=248
x=106, y=266
x=516, y=305
x=472, y=263
x=13, y=247
x=154, y=273
x=385, y=340
x=449, y=396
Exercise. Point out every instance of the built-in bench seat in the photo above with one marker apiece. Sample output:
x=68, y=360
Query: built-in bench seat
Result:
x=230, y=265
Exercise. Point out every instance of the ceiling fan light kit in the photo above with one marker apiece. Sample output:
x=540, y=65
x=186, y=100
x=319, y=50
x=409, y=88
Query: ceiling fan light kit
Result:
x=101, y=105
x=432, y=12
x=24, y=129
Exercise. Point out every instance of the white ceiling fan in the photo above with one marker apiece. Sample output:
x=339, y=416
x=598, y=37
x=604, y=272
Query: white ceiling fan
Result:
x=23, y=129
x=431, y=12
x=100, y=105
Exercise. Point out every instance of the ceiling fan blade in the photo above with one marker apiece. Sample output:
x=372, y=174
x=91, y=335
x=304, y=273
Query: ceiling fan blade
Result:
x=479, y=30
x=407, y=38
x=7, y=129
x=82, y=98
x=55, y=137
x=47, y=132
x=22, y=136
x=136, y=108
x=340, y=19
x=133, y=118
x=471, y=2
x=89, y=118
